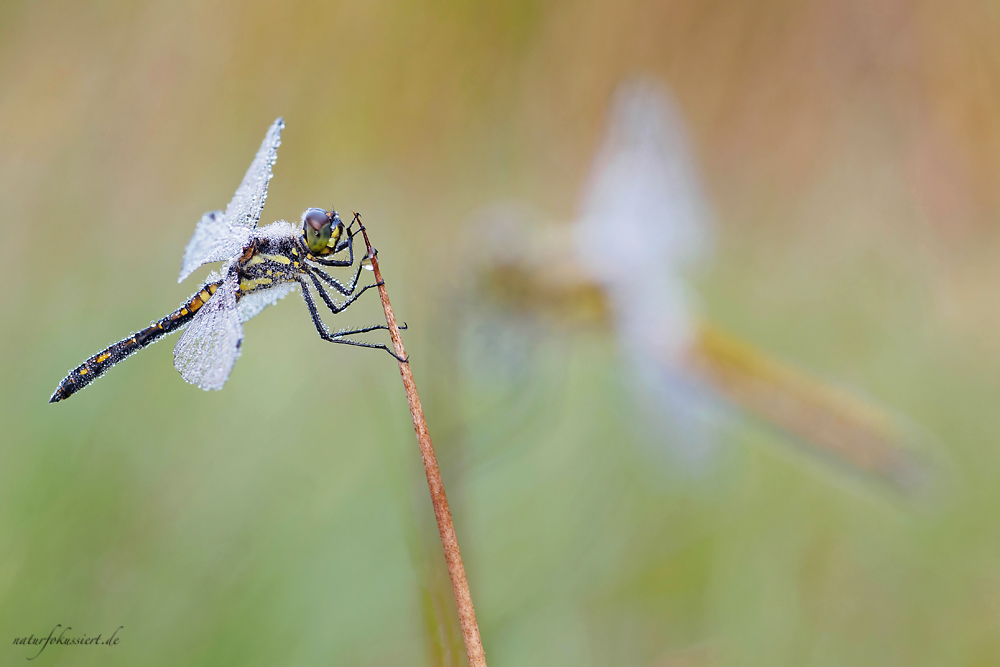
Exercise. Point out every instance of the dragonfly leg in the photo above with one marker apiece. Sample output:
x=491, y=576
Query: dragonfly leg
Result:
x=339, y=336
x=330, y=303
x=334, y=283
x=348, y=244
x=361, y=330
x=379, y=346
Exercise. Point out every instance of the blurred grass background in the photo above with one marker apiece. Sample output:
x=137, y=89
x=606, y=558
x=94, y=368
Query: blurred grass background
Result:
x=850, y=151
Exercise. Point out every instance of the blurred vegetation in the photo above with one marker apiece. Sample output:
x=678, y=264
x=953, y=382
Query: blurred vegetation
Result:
x=850, y=150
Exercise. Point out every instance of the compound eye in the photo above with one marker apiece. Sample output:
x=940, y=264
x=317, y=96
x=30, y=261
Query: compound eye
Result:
x=315, y=218
x=317, y=229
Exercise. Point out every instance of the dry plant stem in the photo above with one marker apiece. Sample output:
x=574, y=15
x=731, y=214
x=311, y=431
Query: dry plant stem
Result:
x=452, y=555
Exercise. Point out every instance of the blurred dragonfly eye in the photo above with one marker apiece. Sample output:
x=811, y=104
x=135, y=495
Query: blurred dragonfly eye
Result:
x=317, y=229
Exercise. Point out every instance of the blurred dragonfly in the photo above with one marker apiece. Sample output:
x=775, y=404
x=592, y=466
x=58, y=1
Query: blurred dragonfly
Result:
x=261, y=266
x=642, y=227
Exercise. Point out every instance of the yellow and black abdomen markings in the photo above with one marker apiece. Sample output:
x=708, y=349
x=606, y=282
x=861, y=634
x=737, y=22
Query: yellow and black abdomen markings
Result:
x=265, y=270
x=97, y=365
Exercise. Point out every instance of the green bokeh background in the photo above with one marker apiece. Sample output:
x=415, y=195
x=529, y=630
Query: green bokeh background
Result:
x=851, y=152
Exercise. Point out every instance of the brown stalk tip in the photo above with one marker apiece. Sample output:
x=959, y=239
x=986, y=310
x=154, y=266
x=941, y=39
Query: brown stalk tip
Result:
x=449, y=542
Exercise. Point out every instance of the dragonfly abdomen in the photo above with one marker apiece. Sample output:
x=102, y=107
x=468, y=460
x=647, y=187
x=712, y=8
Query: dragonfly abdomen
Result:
x=97, y=365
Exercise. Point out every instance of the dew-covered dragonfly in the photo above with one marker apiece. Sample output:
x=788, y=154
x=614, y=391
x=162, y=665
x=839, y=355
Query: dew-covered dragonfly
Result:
x=262, y=265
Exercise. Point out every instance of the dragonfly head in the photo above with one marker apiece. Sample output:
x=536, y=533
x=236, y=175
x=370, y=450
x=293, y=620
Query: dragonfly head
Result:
x=322, y=230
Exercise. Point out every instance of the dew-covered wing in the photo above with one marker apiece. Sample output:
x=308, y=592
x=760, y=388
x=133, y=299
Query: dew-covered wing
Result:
x=248, y=201
x=206, y=352
x=220, y=236
x=214, y=240
x=251, y=304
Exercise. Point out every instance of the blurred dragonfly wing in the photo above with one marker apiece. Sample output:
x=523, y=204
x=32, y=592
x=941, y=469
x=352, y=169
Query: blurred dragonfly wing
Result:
x=644, y=220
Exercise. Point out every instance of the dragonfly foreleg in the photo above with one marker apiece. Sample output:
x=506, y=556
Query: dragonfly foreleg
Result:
x=344, y=244
x=334, y=283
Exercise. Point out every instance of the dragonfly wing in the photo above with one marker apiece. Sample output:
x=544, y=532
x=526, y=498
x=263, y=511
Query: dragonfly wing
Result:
x=207, y=351
x=220, y=236
x=251, y=304
x=213, y=241
x=644, y=210
x=248, y=201
x=645, y=221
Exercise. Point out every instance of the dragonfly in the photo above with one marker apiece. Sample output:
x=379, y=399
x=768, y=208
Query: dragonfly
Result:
x=623, y=263
x=261, y=266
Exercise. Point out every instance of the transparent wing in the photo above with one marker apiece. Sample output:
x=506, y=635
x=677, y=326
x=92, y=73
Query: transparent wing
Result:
x=220, y=236
x=251, y=304
x=248, y=201
x=207, y=351
x=644, y=220
x=213, y=241
x=643, y=208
